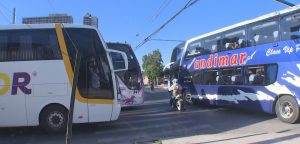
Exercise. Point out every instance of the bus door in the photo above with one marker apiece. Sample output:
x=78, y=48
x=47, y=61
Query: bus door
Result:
x=95, y=83
x=100, y=86
x=100, y=89
x=94, y=79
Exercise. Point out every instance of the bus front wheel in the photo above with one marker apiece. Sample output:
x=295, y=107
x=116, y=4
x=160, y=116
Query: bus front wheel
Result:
x=54, y=119
x=287, y=109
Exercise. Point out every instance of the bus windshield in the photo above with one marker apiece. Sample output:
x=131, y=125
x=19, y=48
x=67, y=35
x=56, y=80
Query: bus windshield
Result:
x=94, y=79
x=131, y=80
x=130, y=77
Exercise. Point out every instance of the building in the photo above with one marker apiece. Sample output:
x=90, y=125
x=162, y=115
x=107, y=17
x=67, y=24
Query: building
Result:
x=51, y=18
x=88, y=19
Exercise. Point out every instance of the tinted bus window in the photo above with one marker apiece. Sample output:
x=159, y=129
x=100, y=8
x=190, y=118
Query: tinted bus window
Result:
x=118, y=61
x=176, y=54
x=230, y=76
x=194, y=49
x=261, y=74
x=130, y=77
x=197, y=77
x=94, y=80
x=209, y=77
x=204, y=46
x=211, y=44
x=179, y=52
x=234, y=39
x=263, y=32
x=27, y=45
x=290, y=27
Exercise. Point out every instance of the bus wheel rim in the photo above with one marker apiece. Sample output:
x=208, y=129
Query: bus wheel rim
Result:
x=188, y=99
x=286, y=110
x=55, y=119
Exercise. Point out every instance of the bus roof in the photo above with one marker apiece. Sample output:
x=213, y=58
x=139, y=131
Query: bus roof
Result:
x=270, y=15
x=42, y=26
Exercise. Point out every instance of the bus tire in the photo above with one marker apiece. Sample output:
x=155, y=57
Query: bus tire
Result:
x=287, y=109
x=188, y=99
x=54, y=119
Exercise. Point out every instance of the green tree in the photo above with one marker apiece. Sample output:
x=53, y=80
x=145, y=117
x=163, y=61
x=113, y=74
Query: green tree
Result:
x=153, y=65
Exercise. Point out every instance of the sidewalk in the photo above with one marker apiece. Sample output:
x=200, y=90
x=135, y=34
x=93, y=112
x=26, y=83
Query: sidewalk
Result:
x=289, y=137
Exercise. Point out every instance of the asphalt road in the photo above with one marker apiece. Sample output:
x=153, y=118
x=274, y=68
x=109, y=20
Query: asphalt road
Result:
x=154, y=121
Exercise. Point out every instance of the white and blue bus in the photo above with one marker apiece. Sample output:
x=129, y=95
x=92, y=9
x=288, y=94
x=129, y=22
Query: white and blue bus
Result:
x=36, y=75
x=130, y=81
x=251, y=65
x=172, y=69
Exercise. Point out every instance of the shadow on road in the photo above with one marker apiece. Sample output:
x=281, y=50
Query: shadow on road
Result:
x=149, y=122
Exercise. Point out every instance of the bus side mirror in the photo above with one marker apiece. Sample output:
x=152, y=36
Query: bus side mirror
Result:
x=119, y=60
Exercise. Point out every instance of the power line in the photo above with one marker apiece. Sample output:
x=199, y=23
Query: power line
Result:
x=51, y=5
x=3, y=13
x=286, y=3
x=10, y=11
x=151, y=19
x=296, y=1
x=161, y=9
x=4, y=16
x=168, y=40
x=188, y=4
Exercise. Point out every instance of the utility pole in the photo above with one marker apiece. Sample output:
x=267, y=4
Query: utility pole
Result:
x=14, y=16
x=71, y=111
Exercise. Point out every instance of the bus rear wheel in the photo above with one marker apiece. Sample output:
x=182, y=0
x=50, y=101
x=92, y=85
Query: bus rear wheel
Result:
x=54, y=119
x=287, y=109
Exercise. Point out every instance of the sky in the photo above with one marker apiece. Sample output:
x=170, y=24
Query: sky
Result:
x=132, y=21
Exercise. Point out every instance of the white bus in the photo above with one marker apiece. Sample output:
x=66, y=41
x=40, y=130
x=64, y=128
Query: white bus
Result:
x=36, y=74
x=130, y=81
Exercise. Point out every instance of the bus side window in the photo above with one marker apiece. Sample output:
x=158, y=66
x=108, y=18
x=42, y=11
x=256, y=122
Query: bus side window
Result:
x=231, y=76
x=255, y=75
x=210, y=77
x=261, y=74
x=263, y=32
x=197, y=77
x=259, y=78
x=234, y=39
x=290, y=27
x=3, y=46
x=211, y=44
x=271, y=73
x=25, y=45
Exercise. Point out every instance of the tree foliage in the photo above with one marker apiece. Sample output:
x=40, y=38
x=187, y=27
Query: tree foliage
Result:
x=153, y=65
